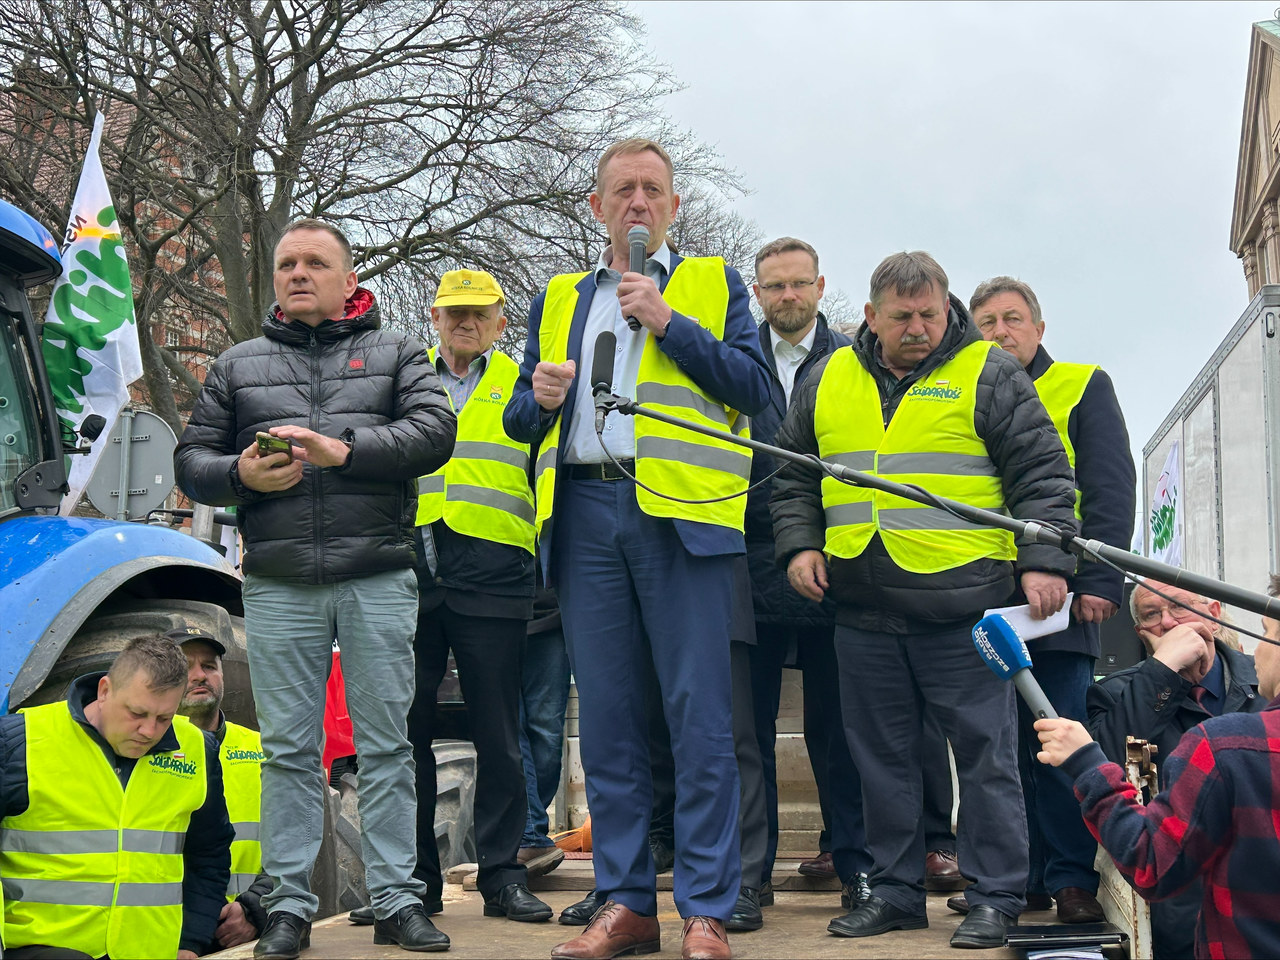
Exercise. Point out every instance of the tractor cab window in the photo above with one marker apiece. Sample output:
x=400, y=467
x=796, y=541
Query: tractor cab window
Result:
x=21, y=445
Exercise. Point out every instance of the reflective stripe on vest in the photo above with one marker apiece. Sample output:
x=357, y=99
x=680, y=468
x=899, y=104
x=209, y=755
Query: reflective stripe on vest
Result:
x=241, y=757
x=1061, y=388
x=669, y=459
x=113, y=885
x=483, y=491
x=931, y=441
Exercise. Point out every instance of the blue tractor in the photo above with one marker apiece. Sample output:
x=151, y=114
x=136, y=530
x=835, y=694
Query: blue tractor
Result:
x=73, y=590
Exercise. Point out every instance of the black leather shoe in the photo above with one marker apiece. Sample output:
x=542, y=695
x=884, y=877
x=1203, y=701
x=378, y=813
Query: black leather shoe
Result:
x=664, y=857
x=983, y=928
x=766, y=894
x=515, y=902
x=579, y=914
x=746, y=912
x=410, y=929
x=875, y=917
x=363, y=916
x=283, y=938
x=856, y=892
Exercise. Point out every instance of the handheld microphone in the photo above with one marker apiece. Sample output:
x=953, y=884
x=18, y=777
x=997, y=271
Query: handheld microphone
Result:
x=1006, y=654
x=638, y=240
x=602, y=375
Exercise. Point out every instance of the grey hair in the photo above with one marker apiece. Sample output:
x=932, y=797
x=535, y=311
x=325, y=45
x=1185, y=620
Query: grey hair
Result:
x=989, y=288
x=907, y=274
x=1226, y=632
x=785, y=245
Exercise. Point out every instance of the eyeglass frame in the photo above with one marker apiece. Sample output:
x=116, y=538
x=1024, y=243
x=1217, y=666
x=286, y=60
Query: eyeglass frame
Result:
x=799, y=286
x=1185, y=608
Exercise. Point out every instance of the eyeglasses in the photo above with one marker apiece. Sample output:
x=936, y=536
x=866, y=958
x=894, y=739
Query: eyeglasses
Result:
x=799, y=286
x=1152, y=617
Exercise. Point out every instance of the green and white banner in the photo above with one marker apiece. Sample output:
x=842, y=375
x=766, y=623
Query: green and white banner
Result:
x=1164, y=519
x=90, y=334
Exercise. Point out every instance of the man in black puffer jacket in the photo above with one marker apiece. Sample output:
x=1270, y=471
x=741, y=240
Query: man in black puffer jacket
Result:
x=922, y=399
x=328, y=530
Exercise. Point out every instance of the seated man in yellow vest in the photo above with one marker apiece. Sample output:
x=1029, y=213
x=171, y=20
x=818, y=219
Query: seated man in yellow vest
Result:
x=114, y=837
x=921, y=398
x=240, y=753
x=475, y=587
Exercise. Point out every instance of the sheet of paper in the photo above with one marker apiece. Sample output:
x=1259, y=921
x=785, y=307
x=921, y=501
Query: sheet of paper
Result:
x=1020, y=619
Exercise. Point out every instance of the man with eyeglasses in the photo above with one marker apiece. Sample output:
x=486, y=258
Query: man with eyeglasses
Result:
x=1189, y=675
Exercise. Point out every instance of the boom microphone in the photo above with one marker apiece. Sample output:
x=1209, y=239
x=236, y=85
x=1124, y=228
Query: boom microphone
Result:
x=1006, y=654
x=638, y=240
x=602, y=375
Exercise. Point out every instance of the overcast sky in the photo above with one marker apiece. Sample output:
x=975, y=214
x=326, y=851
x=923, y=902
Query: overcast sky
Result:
x=1089, y=149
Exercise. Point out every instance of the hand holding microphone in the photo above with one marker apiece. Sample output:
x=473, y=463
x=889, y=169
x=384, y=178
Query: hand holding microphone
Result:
x=638, y=296
x=1006, y=654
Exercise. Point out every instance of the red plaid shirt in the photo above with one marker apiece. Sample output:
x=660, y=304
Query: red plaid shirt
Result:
x=1217, y=819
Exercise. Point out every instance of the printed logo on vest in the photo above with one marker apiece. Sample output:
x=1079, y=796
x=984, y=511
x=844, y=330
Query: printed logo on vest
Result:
x=495, y=392
x=940, y=391
x=172, y=763
x=257, y=756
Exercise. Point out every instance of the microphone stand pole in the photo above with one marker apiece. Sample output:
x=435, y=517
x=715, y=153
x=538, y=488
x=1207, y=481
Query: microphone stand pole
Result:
x=1026, y=530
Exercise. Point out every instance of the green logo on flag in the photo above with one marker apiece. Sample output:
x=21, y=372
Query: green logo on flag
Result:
x=1162, y=521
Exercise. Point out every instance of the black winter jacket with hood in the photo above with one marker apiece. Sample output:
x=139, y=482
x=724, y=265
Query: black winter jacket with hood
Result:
x=871, y=591
x=336, y=523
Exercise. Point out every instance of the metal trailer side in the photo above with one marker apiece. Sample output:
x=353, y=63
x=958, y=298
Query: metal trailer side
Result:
x=1226, y=423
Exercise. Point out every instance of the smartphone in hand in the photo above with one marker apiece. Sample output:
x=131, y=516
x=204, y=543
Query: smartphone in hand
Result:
x=267, y=445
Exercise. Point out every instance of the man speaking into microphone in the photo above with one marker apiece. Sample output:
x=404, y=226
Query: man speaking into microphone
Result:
x=640, y=575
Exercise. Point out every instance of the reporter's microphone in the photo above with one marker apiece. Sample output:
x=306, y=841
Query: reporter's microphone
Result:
x=602, y=375
x=1006, y=654
x=638, y=240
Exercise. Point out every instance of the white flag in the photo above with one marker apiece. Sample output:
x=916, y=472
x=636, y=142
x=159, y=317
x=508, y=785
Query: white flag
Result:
x=1164, y=519
x=90, y=335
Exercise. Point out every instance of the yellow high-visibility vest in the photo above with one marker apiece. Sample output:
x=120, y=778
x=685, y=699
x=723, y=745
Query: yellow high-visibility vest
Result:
x=241, y=757
x=1061, y=388
x=669, y=459
x=483, y=490
x=930, y=441
x=91, y=865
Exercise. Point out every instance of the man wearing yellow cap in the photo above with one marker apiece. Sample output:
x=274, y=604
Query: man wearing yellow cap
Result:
x=475, y=581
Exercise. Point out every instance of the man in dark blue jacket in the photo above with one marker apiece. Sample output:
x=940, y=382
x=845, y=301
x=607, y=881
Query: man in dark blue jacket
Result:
x=789, y=627
x=1082, y=403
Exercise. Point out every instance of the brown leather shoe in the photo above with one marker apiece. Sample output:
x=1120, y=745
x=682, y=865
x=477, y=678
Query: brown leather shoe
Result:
x=613, y=932
x=1078, y=906
x=704, y=939
x=822, y=866
x=942, y=872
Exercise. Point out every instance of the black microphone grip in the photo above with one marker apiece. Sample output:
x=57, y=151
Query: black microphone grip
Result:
x=602, y=374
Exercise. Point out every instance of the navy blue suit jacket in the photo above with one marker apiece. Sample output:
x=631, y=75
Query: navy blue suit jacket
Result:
x=732, y=369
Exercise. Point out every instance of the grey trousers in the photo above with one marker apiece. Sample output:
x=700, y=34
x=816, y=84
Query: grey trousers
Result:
x=291, y=628
x=886, y=681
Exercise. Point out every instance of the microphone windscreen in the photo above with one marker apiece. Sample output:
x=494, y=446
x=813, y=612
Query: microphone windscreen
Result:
x=602, y=363
x=1001, y=647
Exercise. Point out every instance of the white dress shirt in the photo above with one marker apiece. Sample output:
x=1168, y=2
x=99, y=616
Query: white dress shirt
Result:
x=788, y=358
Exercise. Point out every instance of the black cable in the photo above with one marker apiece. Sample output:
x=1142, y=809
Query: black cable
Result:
x=665, y=496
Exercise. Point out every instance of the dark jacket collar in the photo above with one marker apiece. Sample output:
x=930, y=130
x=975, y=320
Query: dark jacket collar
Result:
x=1039, y=363
x=361, y=313
x=84, y=690
x=821, y=335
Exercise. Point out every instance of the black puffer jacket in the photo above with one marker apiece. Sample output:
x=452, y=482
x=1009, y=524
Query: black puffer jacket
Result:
x=336, y=524
x=874, y=593
x=775, y=600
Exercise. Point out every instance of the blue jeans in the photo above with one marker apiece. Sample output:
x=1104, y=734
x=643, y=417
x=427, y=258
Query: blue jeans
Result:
x=544, y=695
x=290, y=631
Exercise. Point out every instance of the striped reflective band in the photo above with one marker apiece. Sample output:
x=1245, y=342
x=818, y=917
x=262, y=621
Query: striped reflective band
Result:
x=483, y=450
x=247, y=829
x=79, y=893
x=926, y=518
x=491, y=498
x=240, y=883
x=863, y=460
x=433, y=483
x=952, y=464
x=694, y=454
x=72, y=842
x=674, y=395
x=844, y=514
x=546, y=459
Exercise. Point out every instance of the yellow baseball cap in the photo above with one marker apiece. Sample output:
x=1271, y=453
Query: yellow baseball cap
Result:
x=468, y=288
